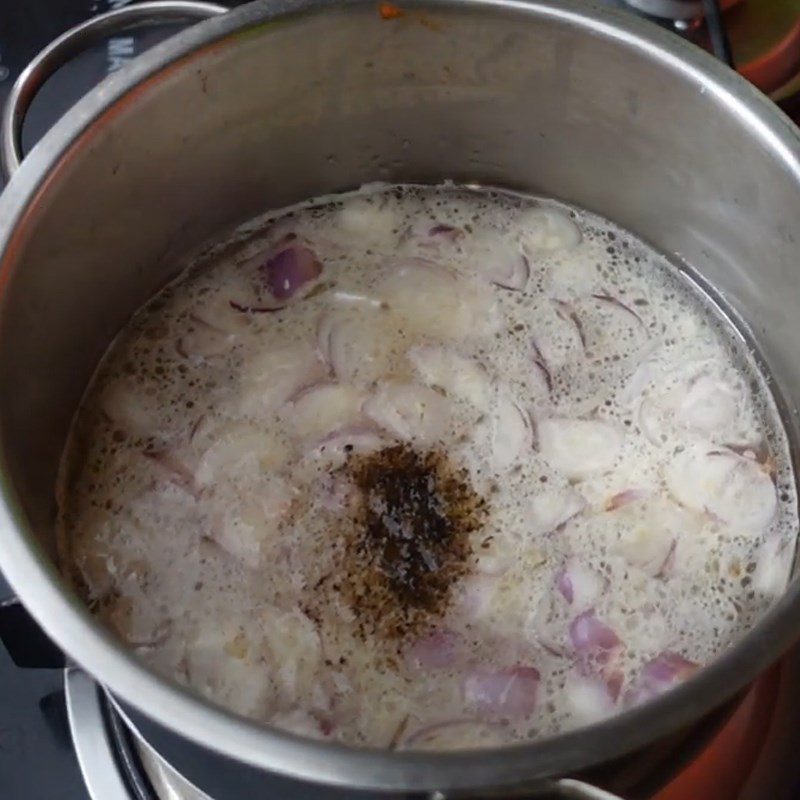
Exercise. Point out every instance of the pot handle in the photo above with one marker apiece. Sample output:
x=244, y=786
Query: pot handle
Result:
x=67, y=46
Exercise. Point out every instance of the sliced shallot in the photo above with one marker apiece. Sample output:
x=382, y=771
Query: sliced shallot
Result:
x=708, y=405
x=345, y=298
x=511, y=431
x=612, y=331
x=624, y=498
x=630, y=395
x=773, y=565
x=588, y=697
x=358, y=344
x=436, y=650
x=222, y=662
x=323, y=409
x=240, y=447
x=660, y=674
x=138, y=623
x=508, y=693
x=434, y=236
x=646, y=529
x=540, y=363
x=223, y=311
x=275, y=375
x=460, y=377
x=734, y=488
x=648, y=549
x=243, y=532
x=292, y=640
x=577, y=447
x=204, y=341
x=175, y=467
x=409, y=411
x=129, y=405
x=552, y=508
x=498, y=259
x=336, y=447
x=495, y=554
x=290, y=268
x=557, y=339
x=435, y=301
x=589, y=634
x=547, y=230
x=369, y=222
x=511, y=271
x=697, y=397
x=566, y=312
x=579, y=585
x=477, y=593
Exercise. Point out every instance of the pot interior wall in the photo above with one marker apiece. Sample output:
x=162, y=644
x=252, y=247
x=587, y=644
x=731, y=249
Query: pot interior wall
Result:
x=329, y=100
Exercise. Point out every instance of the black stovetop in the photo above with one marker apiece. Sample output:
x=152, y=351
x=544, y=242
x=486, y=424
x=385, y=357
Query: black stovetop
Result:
x=36, y=755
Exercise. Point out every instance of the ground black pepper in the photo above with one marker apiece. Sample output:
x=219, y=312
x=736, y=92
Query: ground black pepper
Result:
x=410, y=541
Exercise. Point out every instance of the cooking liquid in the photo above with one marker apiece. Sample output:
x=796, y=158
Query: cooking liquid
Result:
x=428, y=468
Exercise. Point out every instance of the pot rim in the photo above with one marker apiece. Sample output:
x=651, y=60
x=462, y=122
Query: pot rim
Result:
x=64, y=618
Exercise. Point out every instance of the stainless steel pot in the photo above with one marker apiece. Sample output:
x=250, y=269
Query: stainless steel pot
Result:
x=279, y=101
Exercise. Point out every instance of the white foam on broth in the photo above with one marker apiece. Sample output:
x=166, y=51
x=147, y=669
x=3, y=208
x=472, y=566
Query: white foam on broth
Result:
x=640, y=508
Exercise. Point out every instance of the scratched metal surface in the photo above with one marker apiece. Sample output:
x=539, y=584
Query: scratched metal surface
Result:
x=36, y=757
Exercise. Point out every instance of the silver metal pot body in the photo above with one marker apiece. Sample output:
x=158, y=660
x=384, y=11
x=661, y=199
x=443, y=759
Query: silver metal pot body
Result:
x=276, y=102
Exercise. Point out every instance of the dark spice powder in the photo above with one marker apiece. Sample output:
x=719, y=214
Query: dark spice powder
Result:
x=411, y=539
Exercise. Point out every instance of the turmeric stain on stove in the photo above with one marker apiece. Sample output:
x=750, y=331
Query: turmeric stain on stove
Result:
x=409, y=543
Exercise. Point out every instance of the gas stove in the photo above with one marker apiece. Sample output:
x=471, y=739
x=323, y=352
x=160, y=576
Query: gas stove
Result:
x=60, y=736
